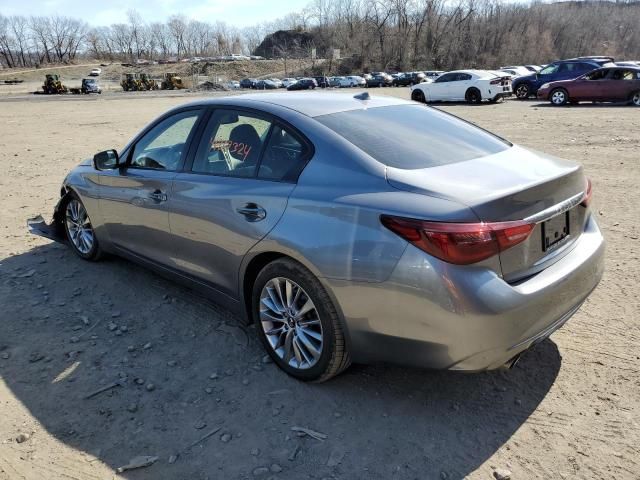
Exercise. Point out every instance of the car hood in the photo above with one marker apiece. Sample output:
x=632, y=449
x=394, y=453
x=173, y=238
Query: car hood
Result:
x=510, y=185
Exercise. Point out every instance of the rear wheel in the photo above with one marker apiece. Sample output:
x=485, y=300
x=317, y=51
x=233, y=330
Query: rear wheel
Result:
x=635, y=99
x=418, y=96
x=473, y=96
x=79, y=230
x=523, y=91
x=298, y=323
x=559, y=97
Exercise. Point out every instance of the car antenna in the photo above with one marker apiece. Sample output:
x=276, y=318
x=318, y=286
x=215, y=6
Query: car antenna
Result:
x=362, y=96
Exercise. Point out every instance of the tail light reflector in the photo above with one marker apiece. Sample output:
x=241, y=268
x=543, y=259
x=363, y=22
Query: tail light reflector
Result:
x=459, y=243
x=586, y=200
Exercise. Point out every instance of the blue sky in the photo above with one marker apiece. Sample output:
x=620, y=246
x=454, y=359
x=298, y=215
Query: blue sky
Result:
x=105, y=12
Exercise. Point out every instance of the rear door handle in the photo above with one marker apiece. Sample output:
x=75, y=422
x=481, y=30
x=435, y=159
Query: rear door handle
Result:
x=158, y=196
x=252, y=212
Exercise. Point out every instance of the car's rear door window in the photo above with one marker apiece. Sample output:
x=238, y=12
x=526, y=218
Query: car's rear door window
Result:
x=413, y=136
x=231, y=144
x=284, y=156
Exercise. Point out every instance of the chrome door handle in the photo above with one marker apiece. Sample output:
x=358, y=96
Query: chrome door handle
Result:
x=252, y=212
x=158, y=196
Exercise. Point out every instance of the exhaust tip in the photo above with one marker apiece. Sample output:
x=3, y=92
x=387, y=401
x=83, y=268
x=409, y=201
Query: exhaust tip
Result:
x=512, y=362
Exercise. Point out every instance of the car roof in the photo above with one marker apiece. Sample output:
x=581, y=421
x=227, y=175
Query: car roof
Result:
x=312, y=104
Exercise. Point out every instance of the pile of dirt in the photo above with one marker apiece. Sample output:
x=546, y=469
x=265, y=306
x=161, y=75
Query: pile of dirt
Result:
x=210, y=86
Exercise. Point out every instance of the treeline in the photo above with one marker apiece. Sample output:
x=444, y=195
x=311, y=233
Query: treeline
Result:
x=446, y=34
x=373, y=34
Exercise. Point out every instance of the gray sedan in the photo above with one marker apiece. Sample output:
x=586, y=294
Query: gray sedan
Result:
x=348, y=228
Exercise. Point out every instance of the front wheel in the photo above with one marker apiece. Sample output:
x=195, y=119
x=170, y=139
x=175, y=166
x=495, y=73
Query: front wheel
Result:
x=559, y=97
x=523, y=91
x=635, y=99
x=79, y=230
x=298, y=323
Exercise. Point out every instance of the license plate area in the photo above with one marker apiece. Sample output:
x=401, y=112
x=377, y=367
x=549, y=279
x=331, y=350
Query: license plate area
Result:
x=555, y=231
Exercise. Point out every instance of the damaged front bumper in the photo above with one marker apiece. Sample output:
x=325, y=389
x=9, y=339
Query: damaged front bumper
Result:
x=53, y=231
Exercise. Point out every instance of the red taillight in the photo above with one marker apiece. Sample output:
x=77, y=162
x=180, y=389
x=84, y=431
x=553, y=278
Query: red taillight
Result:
x=459, y=243
x=586, y=200
x=497, y=81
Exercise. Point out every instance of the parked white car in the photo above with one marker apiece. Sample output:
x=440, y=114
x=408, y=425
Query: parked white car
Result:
x=343, y=82
x=516, y=71
x=95, y=72
x=288, y=81
x=472, y=86
x=357, y=81
x=278, y=82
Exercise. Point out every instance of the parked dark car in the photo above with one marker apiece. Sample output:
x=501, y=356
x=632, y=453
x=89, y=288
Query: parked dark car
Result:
x=528, y=85
x=409, y=79
x=322, y=82
x=90, y=85
x=304, y=84
x=248, y=83
x=266, y=85
x=615, y=84
x=379, y=81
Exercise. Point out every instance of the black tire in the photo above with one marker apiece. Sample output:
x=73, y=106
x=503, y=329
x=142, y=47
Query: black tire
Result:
x=635, y=99
x=95, y=253
x=559, y=97
x=523, y=91
x=473, y=95
x=334, y=357
x=418, y=96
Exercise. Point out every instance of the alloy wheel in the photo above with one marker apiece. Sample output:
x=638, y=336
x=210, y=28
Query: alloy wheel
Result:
x=291, y=323
x=558, y=97
x=522, y=92
x=79, y=227
x=636, y=99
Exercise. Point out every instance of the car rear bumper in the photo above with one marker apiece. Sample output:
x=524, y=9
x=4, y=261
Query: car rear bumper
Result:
x=438, y=315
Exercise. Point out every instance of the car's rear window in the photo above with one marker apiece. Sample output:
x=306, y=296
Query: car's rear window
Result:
x=413, y=136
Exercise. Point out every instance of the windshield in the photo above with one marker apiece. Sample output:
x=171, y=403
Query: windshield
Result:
x=549, y=70
x=413, y=136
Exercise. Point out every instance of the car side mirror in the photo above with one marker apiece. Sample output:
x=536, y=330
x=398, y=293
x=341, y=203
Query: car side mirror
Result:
x=107, y=160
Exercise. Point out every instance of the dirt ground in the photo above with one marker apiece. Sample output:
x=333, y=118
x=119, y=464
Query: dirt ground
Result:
x=184, y=368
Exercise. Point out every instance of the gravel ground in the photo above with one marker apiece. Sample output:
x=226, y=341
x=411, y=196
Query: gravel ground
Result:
x=177, y=368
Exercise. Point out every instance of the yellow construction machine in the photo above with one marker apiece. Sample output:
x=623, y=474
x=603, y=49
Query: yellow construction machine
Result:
x=172, y=81
x=131, y=83
x=53, y=85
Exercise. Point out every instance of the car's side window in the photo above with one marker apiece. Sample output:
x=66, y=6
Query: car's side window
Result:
x=283, y=155
x=548, y=70
x=445, y=78
x=623, y=75
x=463, y=76
x=162, y=147
x=231, y=144
x=597, y=75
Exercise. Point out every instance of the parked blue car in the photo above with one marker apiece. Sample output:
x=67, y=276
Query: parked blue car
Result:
x=526, y=86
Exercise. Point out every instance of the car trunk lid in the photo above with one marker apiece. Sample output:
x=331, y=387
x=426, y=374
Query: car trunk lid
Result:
x=516, y=184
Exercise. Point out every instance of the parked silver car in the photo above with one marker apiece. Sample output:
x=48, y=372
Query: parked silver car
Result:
x=348, y=228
